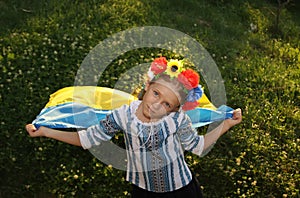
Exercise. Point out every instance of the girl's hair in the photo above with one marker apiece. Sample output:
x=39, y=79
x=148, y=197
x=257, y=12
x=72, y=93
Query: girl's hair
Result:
x=176, y=86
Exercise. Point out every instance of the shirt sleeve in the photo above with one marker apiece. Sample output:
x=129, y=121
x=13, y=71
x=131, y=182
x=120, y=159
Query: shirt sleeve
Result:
x=189, y=137
x=103, y=131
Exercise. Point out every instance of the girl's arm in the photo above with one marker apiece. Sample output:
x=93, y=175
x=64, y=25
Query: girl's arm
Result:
x=67, y=137
x=211, y=137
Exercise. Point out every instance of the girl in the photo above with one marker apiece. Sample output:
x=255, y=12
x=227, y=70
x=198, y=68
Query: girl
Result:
x=156, y=131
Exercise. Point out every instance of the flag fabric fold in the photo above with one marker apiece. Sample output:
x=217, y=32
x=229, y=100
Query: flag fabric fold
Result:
x=83, y=106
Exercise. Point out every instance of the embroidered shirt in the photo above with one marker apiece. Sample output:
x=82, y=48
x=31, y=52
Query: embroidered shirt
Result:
x=155, y=150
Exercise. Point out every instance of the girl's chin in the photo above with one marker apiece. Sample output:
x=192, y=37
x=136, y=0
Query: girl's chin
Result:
x=155, y=117
x=152, y=118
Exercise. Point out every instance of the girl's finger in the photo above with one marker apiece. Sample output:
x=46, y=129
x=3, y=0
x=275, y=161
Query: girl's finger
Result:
x=30, y=128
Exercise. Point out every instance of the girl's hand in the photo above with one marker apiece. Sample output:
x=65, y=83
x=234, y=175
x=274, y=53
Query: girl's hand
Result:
x=33, y=132
x=236, y=118
x=67, y=137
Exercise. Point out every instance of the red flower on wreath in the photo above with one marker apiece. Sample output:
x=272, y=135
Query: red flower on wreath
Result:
x=159, y=65
x=189, y=78
x=190, y=105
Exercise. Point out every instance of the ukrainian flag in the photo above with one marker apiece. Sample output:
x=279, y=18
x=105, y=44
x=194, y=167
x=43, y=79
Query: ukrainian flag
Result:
x=79, y=107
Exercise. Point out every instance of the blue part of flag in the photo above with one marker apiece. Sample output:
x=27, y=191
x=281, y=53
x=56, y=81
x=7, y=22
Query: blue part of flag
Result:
x=202, y=116
x=79, y=116
x=69, y=115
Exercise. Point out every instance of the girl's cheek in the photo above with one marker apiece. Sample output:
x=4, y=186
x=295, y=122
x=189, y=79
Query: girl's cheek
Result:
x=152, y=100
x=163, y=111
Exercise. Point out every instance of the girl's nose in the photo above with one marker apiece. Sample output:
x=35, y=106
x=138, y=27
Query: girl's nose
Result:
x=156, y=106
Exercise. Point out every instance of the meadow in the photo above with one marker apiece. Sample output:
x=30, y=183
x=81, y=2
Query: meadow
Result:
x=255, y=44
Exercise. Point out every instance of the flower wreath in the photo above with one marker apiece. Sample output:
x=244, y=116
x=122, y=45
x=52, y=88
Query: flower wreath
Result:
x=187, y=77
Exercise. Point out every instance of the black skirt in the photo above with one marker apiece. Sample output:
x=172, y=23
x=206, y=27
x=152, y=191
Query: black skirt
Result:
x=192, y=190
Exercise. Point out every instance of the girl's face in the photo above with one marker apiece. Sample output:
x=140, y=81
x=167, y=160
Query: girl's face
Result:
x=158, y=101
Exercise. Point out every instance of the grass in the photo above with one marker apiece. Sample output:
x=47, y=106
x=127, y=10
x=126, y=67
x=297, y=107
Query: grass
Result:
x=44, y=42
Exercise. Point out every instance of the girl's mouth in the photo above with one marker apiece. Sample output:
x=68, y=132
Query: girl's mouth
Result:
x=151, y=111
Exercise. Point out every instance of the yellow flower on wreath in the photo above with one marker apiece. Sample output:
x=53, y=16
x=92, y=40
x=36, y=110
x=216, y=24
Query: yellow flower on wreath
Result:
x=174, y=68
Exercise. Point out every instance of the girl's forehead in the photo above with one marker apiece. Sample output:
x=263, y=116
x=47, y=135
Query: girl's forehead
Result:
x=172, y=85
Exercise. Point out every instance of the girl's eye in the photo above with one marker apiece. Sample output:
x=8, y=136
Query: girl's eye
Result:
x=168, y=105
x=155, y=93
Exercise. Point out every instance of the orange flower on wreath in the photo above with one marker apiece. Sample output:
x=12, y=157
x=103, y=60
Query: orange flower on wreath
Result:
x=159, y=65
x=189, y=78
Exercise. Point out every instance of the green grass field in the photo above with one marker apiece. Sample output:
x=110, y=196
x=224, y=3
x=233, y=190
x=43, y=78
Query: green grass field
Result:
x=44, y=42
